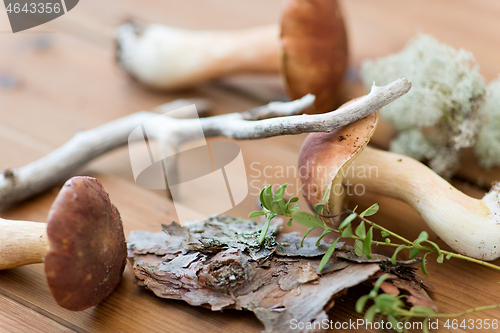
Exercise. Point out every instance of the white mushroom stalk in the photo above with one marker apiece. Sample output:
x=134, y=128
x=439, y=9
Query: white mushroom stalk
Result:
x=22, y=243
x=54, y=168
x=172, y=58
x=338, y=160
x=469, y=226
x=308, y=48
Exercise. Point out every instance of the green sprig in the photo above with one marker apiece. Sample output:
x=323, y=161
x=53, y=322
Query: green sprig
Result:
x=387, y=305
x=275, y=205
x=394, y=309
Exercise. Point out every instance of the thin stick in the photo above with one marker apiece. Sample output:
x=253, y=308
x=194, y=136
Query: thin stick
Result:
x=62, y=163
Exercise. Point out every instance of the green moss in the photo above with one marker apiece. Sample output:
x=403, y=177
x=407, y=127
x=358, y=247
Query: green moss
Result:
x=447, y=90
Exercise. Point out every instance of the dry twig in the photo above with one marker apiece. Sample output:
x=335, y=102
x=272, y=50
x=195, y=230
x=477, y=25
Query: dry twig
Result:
x=54, y=168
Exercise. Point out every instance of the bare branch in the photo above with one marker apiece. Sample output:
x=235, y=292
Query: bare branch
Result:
x=62, y=163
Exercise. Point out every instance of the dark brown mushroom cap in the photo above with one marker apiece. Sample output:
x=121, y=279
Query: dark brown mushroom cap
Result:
x=314, y=44
x=87, y=252
x=325, y=157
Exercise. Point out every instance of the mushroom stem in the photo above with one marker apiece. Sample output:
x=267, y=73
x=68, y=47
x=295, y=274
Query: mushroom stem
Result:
x=470, y=226
x=34, y=178
x=308, y=48
x=22, y=243
x=172, y=58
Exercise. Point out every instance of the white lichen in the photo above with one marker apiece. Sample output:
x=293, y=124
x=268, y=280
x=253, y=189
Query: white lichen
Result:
x=488, y=142
x=413, y=143
x=442, y=105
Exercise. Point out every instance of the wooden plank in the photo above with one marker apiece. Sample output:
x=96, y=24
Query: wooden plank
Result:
x=14, y=315
x=90, y=93
x=74, y=83
x=129, y=308
x=143, y=209
x=377, y=28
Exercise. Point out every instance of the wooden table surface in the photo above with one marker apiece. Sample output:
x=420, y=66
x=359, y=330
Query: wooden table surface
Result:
x=61, y=77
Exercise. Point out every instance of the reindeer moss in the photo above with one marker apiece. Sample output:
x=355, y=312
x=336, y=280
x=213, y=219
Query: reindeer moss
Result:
x=488, y=141
x=440, y=111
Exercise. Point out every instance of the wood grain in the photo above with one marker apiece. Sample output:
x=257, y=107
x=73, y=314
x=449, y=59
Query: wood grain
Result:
x=15, y=316
x=66, y=80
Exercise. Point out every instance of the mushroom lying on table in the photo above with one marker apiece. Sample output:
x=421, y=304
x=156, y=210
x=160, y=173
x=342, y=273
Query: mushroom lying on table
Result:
x=311, y=52
x=83, y=245
x=336, y=159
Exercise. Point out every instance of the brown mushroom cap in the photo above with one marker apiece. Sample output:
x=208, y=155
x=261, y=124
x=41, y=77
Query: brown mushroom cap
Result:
x=314, y=46
x=325, y=158
x=87, y=252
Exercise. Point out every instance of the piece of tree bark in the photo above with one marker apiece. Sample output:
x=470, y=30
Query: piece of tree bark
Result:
x=183, y=263
x=219, y=264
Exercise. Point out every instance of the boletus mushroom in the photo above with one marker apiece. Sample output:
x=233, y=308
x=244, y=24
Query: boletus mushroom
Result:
x=338, y=159
x=309, y=48
x=83, y=245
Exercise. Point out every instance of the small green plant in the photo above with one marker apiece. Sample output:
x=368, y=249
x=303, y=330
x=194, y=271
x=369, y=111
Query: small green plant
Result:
x=274, y=205
x=384, y=305
x=394, y=310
